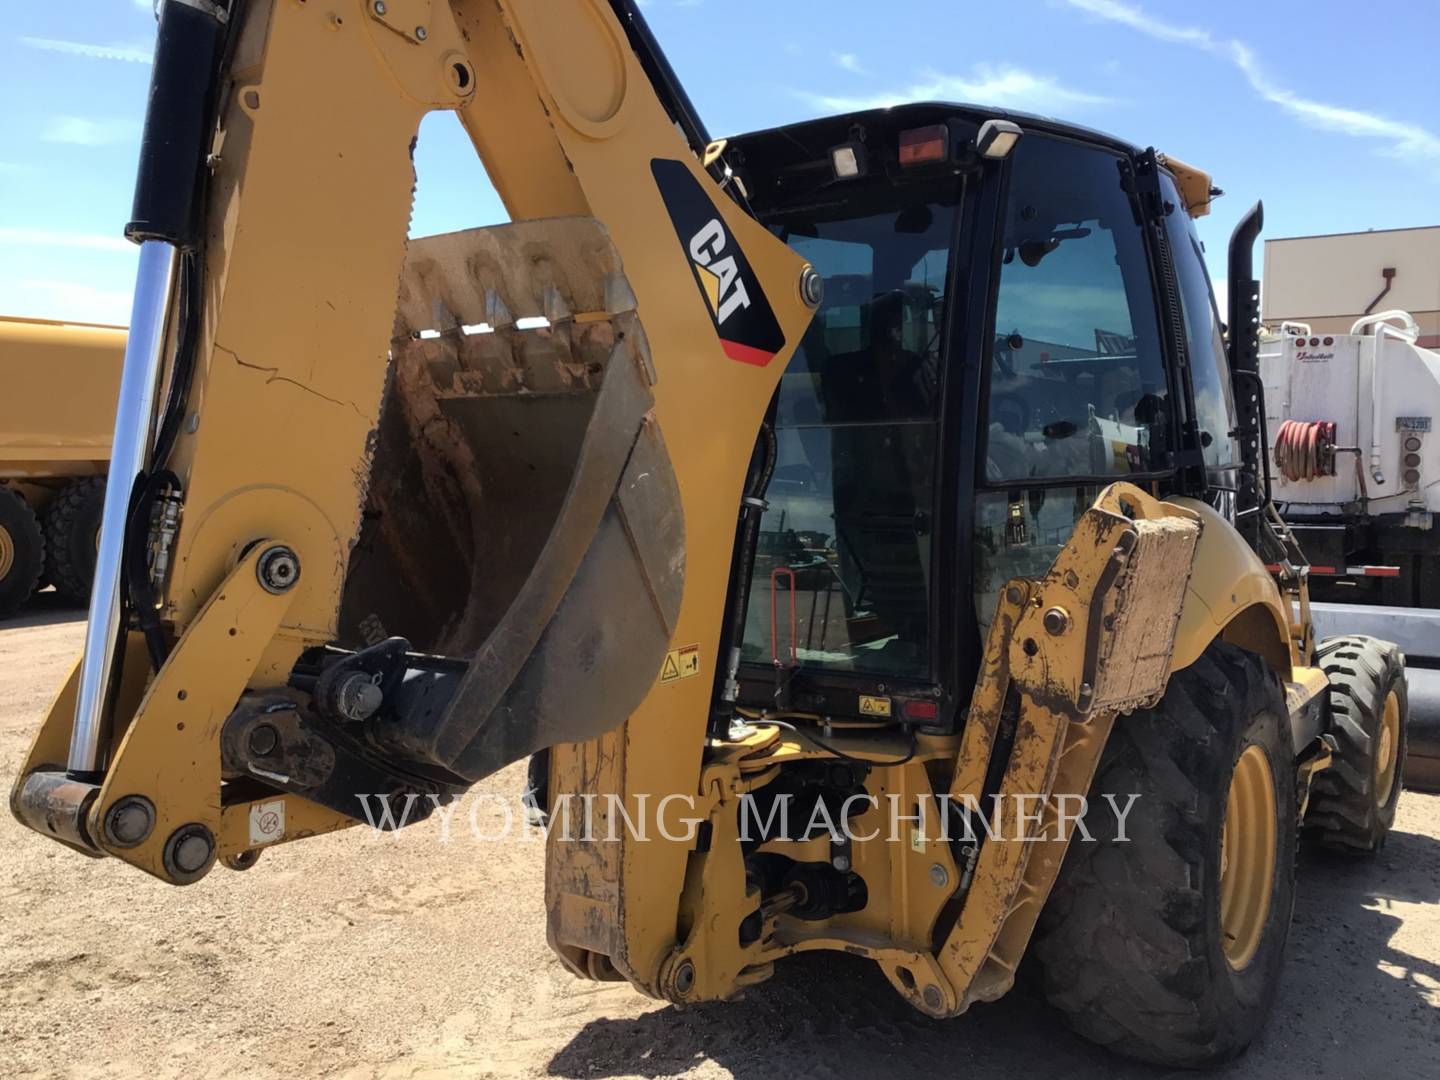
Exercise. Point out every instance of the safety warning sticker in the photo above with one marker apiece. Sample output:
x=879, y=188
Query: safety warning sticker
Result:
x=267, y=822
x=874, y=706
x=680, y=664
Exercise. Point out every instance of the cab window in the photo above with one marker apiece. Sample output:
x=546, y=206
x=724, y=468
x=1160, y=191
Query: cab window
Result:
x=846, y=542
x=1209, y=371
x=1076, y=374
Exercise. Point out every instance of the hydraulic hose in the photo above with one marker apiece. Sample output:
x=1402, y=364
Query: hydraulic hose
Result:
x=193, y=49
x=1305, y=449
x=753, y=507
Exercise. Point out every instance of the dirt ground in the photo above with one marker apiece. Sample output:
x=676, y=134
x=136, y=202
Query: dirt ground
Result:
x=363, y=956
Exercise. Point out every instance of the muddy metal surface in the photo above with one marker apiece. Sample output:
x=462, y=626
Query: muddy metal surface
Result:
x=355, y=955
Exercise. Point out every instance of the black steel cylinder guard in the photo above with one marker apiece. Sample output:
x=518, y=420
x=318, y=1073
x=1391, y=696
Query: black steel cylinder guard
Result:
x=178, y=123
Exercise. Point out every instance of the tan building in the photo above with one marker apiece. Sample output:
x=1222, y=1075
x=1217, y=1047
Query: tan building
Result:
x=1330, y=281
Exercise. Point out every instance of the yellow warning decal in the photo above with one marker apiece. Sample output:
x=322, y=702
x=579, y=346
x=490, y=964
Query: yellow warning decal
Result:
x=874, y=706
x=681, y=664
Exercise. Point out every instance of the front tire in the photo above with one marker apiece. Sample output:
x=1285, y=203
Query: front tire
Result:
x=1168, y=947
x=1352, y=803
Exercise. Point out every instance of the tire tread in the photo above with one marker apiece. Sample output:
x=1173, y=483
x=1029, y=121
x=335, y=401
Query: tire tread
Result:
x=29, y=540
x=1121, y=944
x=1342, y=815
x=70, y=578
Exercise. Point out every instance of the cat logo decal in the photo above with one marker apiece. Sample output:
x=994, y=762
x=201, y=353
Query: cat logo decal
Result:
x=743, y=318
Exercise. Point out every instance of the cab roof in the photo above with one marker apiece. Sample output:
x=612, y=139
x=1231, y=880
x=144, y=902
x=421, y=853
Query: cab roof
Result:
x=794, y=146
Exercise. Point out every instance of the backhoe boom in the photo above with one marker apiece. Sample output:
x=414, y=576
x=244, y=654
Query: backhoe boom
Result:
x=513, y=482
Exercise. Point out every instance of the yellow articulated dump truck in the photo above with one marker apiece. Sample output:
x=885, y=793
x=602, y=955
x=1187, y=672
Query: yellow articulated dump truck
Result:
x=57, y=414
x=811, y=498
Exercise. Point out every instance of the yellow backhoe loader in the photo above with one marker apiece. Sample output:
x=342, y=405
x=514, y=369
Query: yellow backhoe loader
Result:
x=847, y=501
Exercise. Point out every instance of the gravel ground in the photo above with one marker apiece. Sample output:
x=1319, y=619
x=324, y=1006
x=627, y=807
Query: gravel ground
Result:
x=354, y=955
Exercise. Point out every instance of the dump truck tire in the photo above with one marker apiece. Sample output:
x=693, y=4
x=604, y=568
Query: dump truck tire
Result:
x=1168, y=947
x=72, y=523
x=22, y=551
x=1352, y=803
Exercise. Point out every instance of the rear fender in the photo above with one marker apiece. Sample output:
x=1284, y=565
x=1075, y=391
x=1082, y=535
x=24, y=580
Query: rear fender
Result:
x=1233, y=597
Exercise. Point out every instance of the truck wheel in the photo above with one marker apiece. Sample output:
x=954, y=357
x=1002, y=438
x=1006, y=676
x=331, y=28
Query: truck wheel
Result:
x=1164, y=940
x=1352, y=803
x=72, y=534
x=22, y=551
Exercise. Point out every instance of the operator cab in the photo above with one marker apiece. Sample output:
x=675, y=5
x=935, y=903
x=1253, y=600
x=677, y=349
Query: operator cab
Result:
x=1000, y=337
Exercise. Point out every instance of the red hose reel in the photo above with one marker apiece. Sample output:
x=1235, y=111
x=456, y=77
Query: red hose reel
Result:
x=1305, y=449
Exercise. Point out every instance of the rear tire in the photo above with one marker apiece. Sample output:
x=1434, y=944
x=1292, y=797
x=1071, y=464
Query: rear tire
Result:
x=1352, y=803
x=22, y=551
x=72, y=524
x=1131, y=945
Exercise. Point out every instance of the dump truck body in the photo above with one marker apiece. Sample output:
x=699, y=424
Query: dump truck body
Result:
x=57, y=417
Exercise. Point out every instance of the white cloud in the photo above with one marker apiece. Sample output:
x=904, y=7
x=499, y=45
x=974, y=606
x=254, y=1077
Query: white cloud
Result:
x=1006, y=87
x=1133, y=17
x=54, y=238
x=1406, y=140
x=135, y=54
x=850, y=62
x=1410, y=141
x=82, y=132
x=67, y=301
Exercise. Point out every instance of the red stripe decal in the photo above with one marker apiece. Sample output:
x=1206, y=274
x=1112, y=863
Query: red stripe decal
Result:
x=746, y=354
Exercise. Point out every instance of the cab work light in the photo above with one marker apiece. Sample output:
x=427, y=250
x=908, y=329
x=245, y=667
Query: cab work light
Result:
x=848, y=160
x=996, y=138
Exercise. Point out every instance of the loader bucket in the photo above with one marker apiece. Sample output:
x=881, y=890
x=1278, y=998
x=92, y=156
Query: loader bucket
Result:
x=522, y=512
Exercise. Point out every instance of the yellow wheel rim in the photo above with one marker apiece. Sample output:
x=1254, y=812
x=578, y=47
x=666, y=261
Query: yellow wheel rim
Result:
x=1247, y=857
x=1388, y=749
x=7, y=552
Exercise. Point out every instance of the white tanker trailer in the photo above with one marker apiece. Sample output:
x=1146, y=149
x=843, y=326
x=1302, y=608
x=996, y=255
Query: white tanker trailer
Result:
x=1355, y=471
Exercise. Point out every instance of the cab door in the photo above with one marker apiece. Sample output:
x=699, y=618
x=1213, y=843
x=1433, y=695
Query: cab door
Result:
x=1075, y=390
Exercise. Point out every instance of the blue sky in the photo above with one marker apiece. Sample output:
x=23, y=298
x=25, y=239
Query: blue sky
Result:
x=1334, y=123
